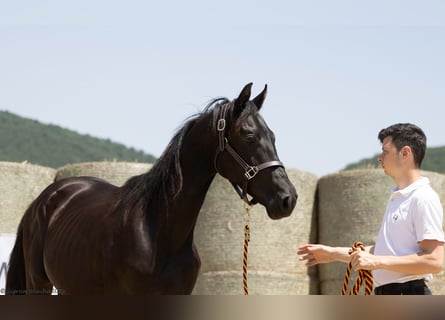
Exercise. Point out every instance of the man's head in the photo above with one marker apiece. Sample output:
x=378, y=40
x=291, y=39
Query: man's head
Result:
x=404, y=135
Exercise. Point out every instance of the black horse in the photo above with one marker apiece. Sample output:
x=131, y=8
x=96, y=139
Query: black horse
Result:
x=83, y=235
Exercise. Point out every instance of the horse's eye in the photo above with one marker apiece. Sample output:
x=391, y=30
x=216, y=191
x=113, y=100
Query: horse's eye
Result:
x=250, y=138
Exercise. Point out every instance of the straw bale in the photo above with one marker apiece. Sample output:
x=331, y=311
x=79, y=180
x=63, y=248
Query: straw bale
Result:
x=273, y=266
x=350, y=208
x=114, y=172
x=437, y=286
x=259, y=282
x=20, y=184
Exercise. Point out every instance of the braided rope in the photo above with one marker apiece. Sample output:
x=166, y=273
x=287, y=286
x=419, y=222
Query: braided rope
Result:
x=246, y=247
x=364, y=276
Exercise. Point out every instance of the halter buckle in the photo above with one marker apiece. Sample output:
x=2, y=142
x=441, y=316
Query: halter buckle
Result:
x=251, y=172
x=221, y=126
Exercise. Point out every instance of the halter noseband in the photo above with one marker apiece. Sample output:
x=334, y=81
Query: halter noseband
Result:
x=249, y=171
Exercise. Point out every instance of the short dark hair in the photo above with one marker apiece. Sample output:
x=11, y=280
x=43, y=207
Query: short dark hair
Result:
x=406, y=134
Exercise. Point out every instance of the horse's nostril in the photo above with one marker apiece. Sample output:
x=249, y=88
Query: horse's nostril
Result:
x=286, y=203
x=289, y=202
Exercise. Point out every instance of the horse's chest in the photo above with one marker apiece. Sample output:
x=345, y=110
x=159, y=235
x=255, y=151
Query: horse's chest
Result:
x=167, y=275
x=181, y=272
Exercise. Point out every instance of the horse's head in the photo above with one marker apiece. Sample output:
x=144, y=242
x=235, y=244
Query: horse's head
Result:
x=247, y=156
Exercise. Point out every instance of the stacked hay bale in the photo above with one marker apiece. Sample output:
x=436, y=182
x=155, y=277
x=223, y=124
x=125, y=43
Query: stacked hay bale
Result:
x=114, y=172
x=350, y=208
x=20, y=184
x=273, y=266
x=437, y=286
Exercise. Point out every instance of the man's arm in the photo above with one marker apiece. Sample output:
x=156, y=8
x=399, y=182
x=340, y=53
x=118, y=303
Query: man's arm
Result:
x=318, y=253
x=429, y=260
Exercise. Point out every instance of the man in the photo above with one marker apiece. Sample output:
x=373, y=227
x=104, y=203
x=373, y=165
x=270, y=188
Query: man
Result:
x=409, y=245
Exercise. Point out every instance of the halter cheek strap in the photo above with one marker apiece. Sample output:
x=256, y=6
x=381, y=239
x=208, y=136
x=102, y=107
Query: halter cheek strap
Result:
x=249, y=171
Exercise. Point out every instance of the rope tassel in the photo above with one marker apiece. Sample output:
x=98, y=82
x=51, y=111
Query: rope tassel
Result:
x=364, y=276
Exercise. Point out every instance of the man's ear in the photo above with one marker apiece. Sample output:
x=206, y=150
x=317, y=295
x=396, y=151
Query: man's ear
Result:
x=406, y=151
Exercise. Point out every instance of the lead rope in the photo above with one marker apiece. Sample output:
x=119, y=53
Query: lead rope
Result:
x=248, y=208
x=364, y=276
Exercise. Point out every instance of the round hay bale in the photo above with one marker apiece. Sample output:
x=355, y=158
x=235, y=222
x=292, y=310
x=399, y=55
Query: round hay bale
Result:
x=351, y=205
x=437, y=286
x=116, y=173
x=350, y=208
x=20, y=184
x=273, y=266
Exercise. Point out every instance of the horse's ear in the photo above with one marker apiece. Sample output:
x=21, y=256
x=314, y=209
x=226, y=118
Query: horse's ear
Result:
x=242, y=99
x=259, y=99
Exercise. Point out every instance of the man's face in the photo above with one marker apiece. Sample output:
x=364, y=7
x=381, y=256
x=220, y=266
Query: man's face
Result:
x=390, y=157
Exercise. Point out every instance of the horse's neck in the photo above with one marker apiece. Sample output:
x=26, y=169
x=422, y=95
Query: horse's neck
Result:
x=197, y=155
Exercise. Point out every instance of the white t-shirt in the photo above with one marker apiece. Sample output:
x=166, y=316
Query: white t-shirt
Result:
x=412, y=214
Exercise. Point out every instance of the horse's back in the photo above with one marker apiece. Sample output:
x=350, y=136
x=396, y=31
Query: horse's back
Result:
x=72, y=199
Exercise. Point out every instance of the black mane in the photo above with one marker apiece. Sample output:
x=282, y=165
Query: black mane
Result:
x=163, y=182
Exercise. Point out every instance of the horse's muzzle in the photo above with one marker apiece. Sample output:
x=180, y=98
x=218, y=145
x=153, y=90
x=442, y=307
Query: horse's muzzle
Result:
x=282, y=206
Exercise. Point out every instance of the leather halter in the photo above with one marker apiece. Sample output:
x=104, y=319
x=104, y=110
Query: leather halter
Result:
x=249, y=171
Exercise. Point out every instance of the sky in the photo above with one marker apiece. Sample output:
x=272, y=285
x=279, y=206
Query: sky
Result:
x=134, y=71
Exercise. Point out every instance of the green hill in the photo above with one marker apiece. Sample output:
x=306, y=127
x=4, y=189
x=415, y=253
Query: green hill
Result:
x=434, y=161
x=24, y=139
